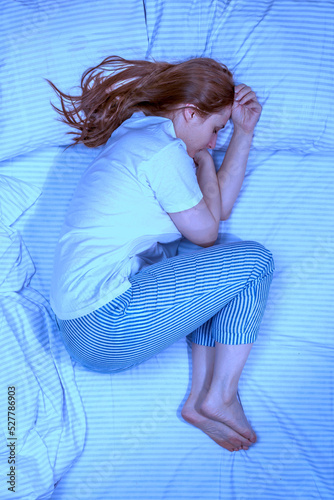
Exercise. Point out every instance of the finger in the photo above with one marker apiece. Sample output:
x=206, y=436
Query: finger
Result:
x=252, y=104
x=242, y=92
x=250, y=100
x=253, y=107
x=239, y=87
x=250, y=96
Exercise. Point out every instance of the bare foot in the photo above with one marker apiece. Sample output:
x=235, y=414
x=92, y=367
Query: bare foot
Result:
x=222, y=434
x=229, y=412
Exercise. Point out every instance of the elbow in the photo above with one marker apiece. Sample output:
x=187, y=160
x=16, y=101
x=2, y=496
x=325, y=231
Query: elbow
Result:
x=207, y=245
x=225, y=216
x=210, y=240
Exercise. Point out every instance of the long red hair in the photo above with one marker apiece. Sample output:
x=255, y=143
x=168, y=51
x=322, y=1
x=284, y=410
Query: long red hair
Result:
x=112, y=91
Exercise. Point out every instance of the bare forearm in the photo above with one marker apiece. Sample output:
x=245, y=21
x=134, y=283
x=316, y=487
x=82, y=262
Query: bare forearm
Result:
x=208, y=182
x=232, y=171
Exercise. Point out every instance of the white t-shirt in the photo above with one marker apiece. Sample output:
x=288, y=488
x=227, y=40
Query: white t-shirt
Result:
x=117, y=221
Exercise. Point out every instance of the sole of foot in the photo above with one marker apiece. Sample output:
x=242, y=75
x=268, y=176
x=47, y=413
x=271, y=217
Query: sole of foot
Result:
x=228, y=412
x=221, y=433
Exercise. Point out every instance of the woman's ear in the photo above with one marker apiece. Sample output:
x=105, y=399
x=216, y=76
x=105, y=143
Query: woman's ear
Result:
x=189, y=112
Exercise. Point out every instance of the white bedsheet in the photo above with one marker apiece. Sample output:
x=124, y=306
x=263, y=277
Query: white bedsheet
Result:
x=46, y=429
x=58, y=40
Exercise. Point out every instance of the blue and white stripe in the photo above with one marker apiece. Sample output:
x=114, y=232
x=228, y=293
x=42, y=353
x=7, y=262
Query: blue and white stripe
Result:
x=224, y=288
x=58, y=40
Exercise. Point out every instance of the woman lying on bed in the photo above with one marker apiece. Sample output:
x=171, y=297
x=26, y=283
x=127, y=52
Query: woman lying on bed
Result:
x=119, y=290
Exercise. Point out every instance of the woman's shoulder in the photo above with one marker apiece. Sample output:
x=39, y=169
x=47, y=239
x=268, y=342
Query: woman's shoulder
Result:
x=152, y=126
x=146, y=135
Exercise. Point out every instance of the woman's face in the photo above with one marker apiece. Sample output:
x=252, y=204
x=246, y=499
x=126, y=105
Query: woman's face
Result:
x=200, y=133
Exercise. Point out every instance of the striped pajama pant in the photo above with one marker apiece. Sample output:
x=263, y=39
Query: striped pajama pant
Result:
x=208, y=294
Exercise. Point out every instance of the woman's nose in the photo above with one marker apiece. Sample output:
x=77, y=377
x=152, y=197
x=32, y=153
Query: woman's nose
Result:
x=212, y=142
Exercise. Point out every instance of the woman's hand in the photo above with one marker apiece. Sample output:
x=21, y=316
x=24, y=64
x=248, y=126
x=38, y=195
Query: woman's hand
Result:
x=203, y=157
x=246, y=109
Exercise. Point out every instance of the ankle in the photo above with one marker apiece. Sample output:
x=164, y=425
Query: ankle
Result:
x=226, y=394
x=229, y=397
x=197, y=397
x=230, y=389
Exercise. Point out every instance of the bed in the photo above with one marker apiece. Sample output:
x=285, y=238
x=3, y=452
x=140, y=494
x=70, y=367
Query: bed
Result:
x=68, y=433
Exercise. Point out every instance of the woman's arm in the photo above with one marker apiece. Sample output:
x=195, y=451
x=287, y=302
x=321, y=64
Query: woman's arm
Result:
x=208, y=183
x=200, y=224
x=232, y=171
x=246, y=111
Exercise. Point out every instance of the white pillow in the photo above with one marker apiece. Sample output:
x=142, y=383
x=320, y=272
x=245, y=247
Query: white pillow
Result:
x=57, y=40
x=16, y=197
x=283, y=49
x=180, y=30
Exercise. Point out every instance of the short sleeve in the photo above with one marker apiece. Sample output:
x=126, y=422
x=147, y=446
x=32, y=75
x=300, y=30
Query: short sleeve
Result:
x=172, y=176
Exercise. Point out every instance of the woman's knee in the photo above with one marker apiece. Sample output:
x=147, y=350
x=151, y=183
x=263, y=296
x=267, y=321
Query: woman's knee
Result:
x=263, y=259
x=247, y=252
x=253, y=257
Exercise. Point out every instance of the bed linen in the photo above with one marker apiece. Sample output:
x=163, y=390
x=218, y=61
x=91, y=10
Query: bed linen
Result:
x=58, y=40
x=283, y=49
x=43, y=421
x=123, y=435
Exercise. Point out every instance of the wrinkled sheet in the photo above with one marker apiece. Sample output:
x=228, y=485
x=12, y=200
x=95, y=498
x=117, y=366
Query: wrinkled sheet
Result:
x=46, y=432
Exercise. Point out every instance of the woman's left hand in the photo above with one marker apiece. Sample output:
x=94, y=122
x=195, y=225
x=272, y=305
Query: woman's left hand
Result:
x=246, y=109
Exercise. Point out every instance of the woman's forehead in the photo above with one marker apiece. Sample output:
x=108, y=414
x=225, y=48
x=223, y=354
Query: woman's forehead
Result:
x=226, y=112
x=222, y=117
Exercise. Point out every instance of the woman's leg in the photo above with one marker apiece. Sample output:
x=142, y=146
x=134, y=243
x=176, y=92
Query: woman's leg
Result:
x=221, y=402
x=231, y=331
x=227, y=284
x=170, y=300
x=204, y=369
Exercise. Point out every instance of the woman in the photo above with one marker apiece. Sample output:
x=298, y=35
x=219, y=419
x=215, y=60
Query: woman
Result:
x=120, y=292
